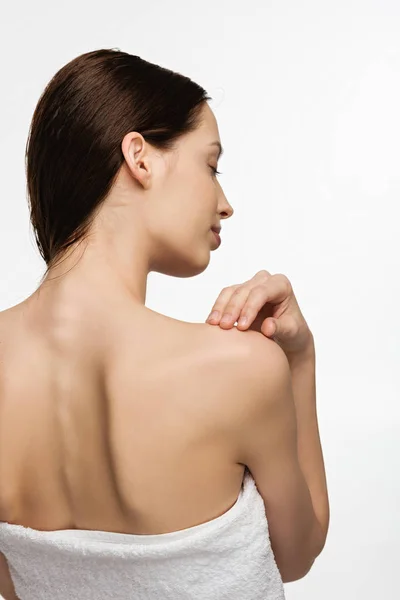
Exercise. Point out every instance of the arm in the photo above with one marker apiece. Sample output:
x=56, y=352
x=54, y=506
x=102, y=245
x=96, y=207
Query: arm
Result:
x=268, y=444
x=7, y=590
x=302, y=367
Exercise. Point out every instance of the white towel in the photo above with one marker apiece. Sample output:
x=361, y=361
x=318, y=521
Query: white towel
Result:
x=229, y=557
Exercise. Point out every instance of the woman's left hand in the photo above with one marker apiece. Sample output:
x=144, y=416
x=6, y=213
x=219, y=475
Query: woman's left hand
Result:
x=270, y=307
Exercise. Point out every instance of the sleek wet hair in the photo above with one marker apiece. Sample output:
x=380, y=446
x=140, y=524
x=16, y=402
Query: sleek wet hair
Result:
x=73, y=152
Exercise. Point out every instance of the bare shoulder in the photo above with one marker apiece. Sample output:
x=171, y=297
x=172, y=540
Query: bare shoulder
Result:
x=234, y=353
x=252, y=377
x=226, y=357
x=241, y=367
x=246, y=357
x=196, y=364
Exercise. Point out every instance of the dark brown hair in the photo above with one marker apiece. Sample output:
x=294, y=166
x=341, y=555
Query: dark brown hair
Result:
x=73, y=152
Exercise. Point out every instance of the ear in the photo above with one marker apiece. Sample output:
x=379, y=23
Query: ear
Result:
x=136, y=153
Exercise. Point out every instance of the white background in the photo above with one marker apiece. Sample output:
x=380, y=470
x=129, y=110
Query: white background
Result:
x=307, y=98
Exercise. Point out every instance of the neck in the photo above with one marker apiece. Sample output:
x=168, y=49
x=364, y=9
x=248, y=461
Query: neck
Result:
x=103, y=271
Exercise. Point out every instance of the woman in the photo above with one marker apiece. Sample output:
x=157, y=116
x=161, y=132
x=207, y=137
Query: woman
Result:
x=142, y=456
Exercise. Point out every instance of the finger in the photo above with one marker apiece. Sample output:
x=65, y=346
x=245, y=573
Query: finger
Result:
x=232, y=309
x=285, y=329
x=219, y=305
x=234, y=306
x=256, y=299
x=269, y=327
x=262, y=275
x=275, y=290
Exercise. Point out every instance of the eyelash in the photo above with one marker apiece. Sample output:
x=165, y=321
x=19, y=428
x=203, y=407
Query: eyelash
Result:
x=214, y=170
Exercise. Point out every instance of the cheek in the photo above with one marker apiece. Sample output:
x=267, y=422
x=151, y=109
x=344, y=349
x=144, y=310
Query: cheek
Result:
x=187, y=208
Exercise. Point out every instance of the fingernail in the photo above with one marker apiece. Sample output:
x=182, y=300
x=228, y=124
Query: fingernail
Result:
x=213, y=315
x=226, y=318
x=243, y=321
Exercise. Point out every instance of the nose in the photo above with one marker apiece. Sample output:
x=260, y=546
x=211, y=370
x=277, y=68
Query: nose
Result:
x=225, y=209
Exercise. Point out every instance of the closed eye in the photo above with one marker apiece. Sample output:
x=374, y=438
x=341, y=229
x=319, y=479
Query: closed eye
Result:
x=214, y=170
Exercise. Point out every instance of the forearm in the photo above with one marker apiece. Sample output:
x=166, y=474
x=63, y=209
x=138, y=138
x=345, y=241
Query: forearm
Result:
x=302, y=368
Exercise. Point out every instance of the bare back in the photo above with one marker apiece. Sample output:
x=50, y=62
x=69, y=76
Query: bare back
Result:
x=114, y=420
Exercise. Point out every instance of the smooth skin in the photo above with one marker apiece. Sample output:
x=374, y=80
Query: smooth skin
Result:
x=90, y=377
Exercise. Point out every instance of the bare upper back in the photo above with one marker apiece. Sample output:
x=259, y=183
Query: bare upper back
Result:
x=117, y=423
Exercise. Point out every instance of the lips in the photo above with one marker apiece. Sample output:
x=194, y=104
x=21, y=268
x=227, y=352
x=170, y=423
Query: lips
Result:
x=216, y=229
x=217, y=238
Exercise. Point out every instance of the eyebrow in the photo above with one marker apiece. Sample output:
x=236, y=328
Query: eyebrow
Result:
x=221, y=150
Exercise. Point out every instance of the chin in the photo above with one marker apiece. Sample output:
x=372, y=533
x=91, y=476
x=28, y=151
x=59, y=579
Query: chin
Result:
x=184, y=266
